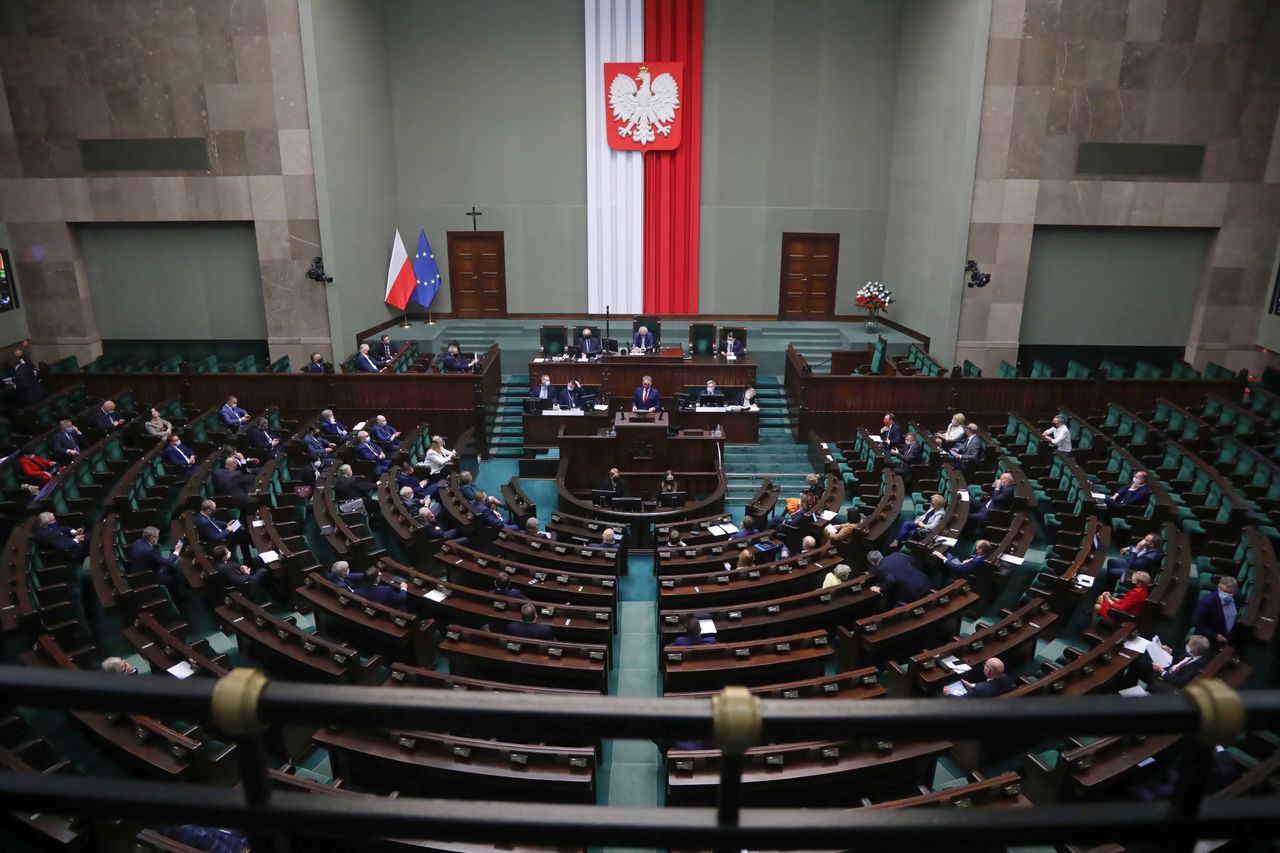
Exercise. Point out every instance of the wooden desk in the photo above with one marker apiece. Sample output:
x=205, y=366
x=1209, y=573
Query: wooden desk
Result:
x=620, y=375
x=541, y=429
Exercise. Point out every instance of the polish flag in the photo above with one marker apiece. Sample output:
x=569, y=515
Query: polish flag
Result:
x=400, y=280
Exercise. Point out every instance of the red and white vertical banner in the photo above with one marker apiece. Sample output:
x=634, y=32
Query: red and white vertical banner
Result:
x=644, y=147
x=615, y=179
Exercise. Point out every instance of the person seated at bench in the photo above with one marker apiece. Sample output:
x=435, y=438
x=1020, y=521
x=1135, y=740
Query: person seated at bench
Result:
x=570, y=396
x=589, y=343
x=1000, y=498
x=730, y=344
x=1217, y=610
x=229, y=480
x=36, y=470
x=454, y=363
x=693, y=635
x=668, y=486
x=954, y=431
x=367, y=586
x=363, y=362
x=157, y=427
x=1144, y=555
x=969, y=451
x=534, y=528
x=428, y=519
x=746, y=558
x=316, y=446
x=244, y=463
x=813, y=485
x=615, y=483
x=957, y=568
x=502, y=586
x=1059, y=435
x=67, y=443
x=528, y=627
x=846, y=532
x=748, y=398
x=145, y=556
x=104, y=419
x=998, y=682
x=608, y=540
x=898, y=578
x=674, y=540
x=331, y=426
x=904, y=457
x=214, y=532
x=642, y=339
x=178, y=458
x=260, y=438
x=890, y=432
x=1130, y=603
x=385, y=433
x=348, y=487
x=1186, y=665
x=55, y=537
x=316, y=364
x=409, y=500
x=232, y=415
x=120, y=666
x=437, y=456
x=837, y=576
x=647, y=398
x=370, y=452
x=254, y=582
x=1132, y=496
x=922, y=524
x=385, y=352
x=746, y=529
x=406, y=477
x=486, y=509
x=543, y=390
x=795, y=512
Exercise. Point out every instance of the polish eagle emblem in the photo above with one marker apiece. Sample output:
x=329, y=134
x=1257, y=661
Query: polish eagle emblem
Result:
x=644, y=108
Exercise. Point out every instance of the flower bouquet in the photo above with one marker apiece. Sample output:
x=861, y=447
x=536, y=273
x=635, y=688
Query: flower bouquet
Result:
x=873, y=298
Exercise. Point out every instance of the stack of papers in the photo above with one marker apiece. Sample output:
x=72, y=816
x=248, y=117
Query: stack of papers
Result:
x=182, y=670
x=708, y=626
x=1009, y=558
x=269, y=556
x=944, y=541
x=715, y=530
x=1135, y=690
x=1158, y=655
x=956, y=665
x=827, y=515
x=729, y=528
x=437, y=594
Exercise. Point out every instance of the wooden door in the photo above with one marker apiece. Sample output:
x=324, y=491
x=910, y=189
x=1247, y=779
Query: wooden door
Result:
x=477, y=274
x=808, y=282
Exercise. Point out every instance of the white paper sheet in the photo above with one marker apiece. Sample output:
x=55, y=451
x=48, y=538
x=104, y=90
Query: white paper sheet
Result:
x=956, y=689
x=269, y=556
x=708, y=626
x=437, y=594
x=182, y=669
x=1010, y=558
x=729, y=528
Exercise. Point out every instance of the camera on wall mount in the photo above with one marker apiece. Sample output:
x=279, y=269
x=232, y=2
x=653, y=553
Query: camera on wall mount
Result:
x=316, y=273
x=977, y=278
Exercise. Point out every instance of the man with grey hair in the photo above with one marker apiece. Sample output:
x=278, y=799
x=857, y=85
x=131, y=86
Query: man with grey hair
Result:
x=119, y=665
x=331, y=426
x=409, y=500
x=363, y=362
x=1188, y=662
x=371, y=452
x=212, y=531
x=52, y=536
x=898, y=578
x=534, y=528
x=808, y=543
x=367, y=586
x=837, y=576
x=145, y=556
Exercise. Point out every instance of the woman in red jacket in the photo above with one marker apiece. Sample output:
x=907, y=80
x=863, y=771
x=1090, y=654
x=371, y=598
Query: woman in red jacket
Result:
x=34, y=469
x=1129, y=603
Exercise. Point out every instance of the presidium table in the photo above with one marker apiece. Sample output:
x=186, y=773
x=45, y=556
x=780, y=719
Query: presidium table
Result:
x=618, y=376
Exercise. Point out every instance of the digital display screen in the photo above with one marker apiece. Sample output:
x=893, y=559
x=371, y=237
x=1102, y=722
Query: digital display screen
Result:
x=8, y=288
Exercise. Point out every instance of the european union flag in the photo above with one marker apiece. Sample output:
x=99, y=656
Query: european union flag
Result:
x=426, y=272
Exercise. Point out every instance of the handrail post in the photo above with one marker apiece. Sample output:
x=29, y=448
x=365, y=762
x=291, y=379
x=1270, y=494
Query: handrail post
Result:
x=735, y=716
x=1221, y=722
x=235, y=711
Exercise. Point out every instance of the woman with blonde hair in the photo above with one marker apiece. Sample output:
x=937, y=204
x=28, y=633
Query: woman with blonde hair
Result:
x=1130, y=603
x=746, y=558
x=954, y=431
x=437, y=457
x=923, y=523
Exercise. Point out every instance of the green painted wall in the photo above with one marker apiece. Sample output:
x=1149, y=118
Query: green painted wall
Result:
x=13, y=324
x=174, y=280
x=348, y=98
x=1100, y=286
x=935, y=141
x=487, y=99
x=798, y=106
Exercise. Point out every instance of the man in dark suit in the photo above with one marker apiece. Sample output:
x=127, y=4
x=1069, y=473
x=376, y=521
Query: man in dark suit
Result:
x=957, y=568
x=642, y=339
x=409, y=500
x=528, y=626
x=230, y=481
x=730, y=344
x=453, y=361
x=890, y=432
x=1145, y=555
x=969, y=450
x=348, y=487
x=385, y=433
x=232, y=415
x=1001, y=498
x=431, y=523
x=177, y=457
x=899, y=580
x=647, y=398
x=486, y=509
x=260, y=438
x=331, y=426
x=316, y=364
x=385, y=352
x=367, y=586
x=1132, y=497
x=589, y=343
x=103, y=419
x=997, y=684
x=502, y=585
x=316, y=445
x=55, y=537
x=254, y=582
x=26, y=379
x=367, y=450
x=911, y=452
x=66, y=443
x=145, y=556
x=363, y=362
x=544, y=390
x=570, y=396
x=1217, y=611
x=1188, y=662
x=215, y=532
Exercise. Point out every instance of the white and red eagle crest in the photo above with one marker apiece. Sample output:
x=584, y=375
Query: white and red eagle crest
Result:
x=643, y=102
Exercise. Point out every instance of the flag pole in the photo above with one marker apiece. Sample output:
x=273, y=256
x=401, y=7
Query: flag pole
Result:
x=405, y=324
x=430, y=322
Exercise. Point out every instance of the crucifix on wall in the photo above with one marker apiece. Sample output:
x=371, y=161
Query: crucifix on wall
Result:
x=473, y=213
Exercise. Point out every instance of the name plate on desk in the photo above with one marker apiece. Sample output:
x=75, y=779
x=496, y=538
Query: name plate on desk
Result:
x=564, y=412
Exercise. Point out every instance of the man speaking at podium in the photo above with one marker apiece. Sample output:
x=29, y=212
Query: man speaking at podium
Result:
x=647, y=398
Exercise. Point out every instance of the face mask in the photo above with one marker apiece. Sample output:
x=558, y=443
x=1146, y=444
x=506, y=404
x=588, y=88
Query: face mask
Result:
x=1225, y=596
x=546, y=384
x=1190, y=654
x=887, y=422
